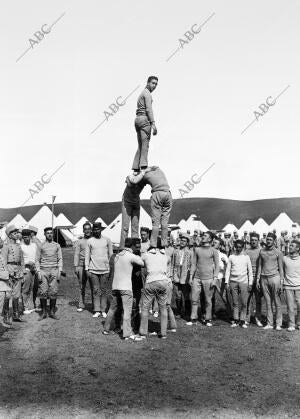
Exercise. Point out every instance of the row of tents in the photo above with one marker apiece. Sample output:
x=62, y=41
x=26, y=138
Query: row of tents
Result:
x=281, y=223
x=67, y=233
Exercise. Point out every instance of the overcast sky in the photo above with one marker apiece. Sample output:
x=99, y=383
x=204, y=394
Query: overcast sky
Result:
x=56, y=94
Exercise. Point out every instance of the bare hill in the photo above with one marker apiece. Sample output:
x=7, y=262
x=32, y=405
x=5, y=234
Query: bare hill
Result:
x=214, y=212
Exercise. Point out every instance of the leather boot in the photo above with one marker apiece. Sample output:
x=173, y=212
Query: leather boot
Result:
x=43, y=315
x=16, y=314
x=7, y=313
x=52, y=309
x=4, y=324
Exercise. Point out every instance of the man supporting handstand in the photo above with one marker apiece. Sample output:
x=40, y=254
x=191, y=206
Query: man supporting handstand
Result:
x=160, y=203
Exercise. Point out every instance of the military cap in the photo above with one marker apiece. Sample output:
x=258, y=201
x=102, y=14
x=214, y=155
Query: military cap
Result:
x=11, y=228
x=33, y=229
x=185, y=236
x=47, y=228
x=98, y=225
x=26, y=232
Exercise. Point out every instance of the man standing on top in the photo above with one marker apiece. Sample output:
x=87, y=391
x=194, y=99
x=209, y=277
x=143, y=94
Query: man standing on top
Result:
x=29, y=250
x=144, y=124
x=161, y=201
x=204, y=276
x=79, y=264
x=97, y=254
x=291, y=268
x=49, y=265
x=13, y=259
x=270, y=278
x=256, y=293
x=122, y=296
x=130, y=210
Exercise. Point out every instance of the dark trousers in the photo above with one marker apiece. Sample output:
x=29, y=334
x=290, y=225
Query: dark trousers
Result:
x=130, y=215
x=181, y=296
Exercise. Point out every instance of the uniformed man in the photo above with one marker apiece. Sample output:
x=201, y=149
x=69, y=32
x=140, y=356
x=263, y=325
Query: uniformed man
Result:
x=49, y=266
x=13, y=259
x=34, y=230
x=5, y=290
x=29, y=251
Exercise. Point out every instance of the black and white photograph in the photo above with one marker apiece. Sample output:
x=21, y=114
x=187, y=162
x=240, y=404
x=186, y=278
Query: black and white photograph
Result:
x=150, y=209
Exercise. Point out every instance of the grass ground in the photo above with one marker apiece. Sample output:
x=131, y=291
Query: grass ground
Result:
x=68, y=369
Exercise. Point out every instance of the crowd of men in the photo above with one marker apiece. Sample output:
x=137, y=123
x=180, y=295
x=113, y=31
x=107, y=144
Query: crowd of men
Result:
x=179, y=279
x=182, y=277
x=28, y=268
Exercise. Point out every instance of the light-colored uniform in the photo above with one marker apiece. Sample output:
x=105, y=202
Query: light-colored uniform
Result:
x=29, y=254
x=49, y=264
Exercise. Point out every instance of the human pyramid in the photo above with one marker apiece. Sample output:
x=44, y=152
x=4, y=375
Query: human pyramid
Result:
x=152, y=271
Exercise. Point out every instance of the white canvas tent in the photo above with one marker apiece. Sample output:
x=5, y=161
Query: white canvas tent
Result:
x=261, y=226
x=246, y=226
x=282, y=222
x=145, y=219
x=192, y=224
x=230, y=228
x=113, y=230
x=62, y=221
x=182, y=225
x=42, y=219
x=19, y=221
